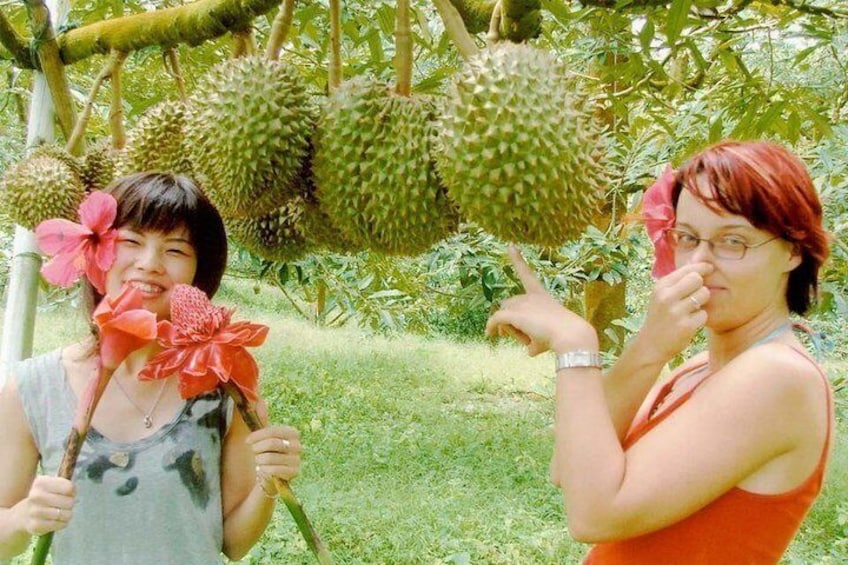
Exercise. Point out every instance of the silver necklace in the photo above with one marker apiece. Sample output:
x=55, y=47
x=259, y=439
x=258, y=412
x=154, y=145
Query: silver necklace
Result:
x=147, y=420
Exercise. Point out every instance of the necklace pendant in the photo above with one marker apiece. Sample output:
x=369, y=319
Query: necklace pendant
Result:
x=148, y=423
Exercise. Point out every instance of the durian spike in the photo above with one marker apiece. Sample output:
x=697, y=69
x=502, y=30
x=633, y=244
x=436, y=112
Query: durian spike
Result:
x=494, y=34
x=244, y=43
x=403, y=50
x=171, y=60
x=116, y=58
x=334, y=78
x=280, y=30
x=116, y=108
x=455, y=28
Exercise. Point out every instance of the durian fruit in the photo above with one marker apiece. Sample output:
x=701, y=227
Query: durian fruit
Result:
x=58, y=152
x=275, y=236
x=99, y=165
x=374, y=170
x=519, y=148
x=248, y=129
x=156, y=141
x=40, y=188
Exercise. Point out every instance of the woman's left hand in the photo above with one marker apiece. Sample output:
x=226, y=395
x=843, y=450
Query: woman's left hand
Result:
x=276, y=449
x=537, y=320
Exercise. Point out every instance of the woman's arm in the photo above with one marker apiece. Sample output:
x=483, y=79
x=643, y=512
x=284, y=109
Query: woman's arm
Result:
x=29, y=505
x=247, y=509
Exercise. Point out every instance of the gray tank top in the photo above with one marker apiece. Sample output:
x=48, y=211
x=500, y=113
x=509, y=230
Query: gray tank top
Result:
x=156, y=500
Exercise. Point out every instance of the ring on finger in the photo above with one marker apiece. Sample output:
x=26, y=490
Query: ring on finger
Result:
x=286, y=443
x=58, y=517
x=695, y=302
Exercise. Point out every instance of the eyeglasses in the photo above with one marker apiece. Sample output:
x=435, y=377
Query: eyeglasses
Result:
x=725, y=246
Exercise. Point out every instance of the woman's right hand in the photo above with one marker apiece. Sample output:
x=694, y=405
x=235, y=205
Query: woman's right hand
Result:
x=49, y=506
x=675, y=312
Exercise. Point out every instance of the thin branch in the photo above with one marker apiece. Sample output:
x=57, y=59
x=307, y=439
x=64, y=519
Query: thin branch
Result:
x=334, y=72
x=172, y=66
x=403, y=50
x=243, y=43
x=456, y=29
x=494, y=34
x=115, y=61
x=803, y=6
x=280, y=30
x=116, y=108
x=17, y=46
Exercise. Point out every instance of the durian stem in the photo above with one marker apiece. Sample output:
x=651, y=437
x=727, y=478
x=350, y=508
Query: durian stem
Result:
x=280, y=30
x=116, y=108
x=172, y=65
x=334, y=78
x=456, y=30
x=243, y=43
x=494, y=34
x=115, y=60
x=403, y=50
x=44, y=42
x=310, y=535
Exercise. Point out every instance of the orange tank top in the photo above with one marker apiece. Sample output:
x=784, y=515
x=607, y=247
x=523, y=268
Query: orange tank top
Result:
x=739, y=527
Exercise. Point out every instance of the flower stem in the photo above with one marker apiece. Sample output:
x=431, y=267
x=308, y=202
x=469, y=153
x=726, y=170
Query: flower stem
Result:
x=251, y=418
x=82, y=421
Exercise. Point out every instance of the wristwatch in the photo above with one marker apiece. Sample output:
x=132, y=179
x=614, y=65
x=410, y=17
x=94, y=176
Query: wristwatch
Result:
x=578, y=359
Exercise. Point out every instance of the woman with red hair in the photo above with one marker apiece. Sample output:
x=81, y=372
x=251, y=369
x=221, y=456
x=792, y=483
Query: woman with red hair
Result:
x=719, y=462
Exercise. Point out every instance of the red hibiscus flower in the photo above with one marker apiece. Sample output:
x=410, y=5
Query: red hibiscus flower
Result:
x=658, y=215
x=124, y=326
x=87, y=248
x=204, y=347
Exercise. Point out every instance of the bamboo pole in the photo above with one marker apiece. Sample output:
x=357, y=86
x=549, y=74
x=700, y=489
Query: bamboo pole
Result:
x=280, y=30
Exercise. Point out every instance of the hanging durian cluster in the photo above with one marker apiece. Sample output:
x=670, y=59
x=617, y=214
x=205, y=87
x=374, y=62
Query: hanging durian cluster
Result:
x=156, y=143
x=42, y=187
x=248, y=130
x=374, y=169
x=520, y=151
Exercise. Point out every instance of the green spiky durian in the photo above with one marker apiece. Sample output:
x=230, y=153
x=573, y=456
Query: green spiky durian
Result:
x=156, y=143
x=58, y=152
x=40, y=188
x=374, y=170
x=248, y=130
x=519, y=149
x=99, y=166
x=275, y=236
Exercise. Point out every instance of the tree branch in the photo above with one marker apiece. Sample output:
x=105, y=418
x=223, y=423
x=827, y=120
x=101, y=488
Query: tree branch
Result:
x=17, y=46
x=403, y=49
x=334, y=72
x=280, y=30
x=803, y=6
x=191, y=24
x=116, y=108
x=171, y=59
x=115, y=61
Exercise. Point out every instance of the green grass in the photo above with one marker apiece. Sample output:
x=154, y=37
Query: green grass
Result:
x=427, y=451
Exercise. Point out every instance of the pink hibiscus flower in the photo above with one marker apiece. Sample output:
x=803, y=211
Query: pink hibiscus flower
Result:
x=87, y=248
x=658, y=215
x=204, y=347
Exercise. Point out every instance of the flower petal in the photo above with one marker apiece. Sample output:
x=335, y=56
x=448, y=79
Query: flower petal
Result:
x=98, y=211
x=63, y=270
x=659, y=215
x=60, y=236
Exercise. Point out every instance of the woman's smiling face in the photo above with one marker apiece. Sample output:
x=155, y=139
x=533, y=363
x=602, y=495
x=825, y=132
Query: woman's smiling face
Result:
x=153, y=262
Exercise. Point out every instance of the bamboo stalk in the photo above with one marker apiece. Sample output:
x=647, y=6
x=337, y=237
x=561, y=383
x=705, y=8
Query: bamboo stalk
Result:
x=403, y=50
x=335, y=77
x=172, y=64
x=280, y=30
x=115, y=60
x=116, y=108
x=456, y=30
x=251, y=418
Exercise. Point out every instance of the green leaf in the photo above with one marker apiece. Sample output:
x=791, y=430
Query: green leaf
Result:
x=678, y=13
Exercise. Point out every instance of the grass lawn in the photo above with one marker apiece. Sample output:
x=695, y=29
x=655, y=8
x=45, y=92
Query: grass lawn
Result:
x=427, y=451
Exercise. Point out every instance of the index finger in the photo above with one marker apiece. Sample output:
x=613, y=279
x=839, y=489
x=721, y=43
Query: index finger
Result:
x=525, y=274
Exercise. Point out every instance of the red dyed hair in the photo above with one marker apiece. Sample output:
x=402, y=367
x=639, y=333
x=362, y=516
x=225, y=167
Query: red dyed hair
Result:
x=770, y=187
